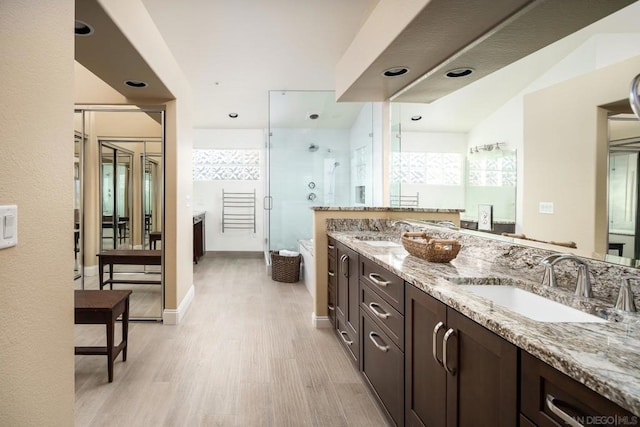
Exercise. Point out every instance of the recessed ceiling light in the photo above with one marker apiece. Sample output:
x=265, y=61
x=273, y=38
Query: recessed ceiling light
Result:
x=83, y=29
x=233, y=115
x=314, y=116
x=135, y=83
x=459, y=72
x=395, y=71
x=416, y=118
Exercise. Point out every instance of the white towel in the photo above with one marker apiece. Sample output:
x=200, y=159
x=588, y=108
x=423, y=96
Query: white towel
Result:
x=285, y=252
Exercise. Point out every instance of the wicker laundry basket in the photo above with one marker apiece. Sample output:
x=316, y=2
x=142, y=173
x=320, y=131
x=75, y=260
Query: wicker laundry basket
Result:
x=285, y=268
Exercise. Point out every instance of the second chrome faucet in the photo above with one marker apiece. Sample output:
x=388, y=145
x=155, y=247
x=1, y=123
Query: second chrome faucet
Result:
x=583, y=281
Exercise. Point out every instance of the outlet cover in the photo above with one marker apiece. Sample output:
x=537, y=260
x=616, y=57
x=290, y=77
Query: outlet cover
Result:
x=545, y=207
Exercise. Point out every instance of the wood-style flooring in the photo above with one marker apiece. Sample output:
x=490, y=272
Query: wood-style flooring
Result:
x=246, y=354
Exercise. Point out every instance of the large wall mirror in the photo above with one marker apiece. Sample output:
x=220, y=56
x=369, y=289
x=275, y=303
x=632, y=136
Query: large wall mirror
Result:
x=119, y=203
x=551, y=108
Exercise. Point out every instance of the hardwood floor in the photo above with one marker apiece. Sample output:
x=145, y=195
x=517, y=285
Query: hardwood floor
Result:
x=246, y=354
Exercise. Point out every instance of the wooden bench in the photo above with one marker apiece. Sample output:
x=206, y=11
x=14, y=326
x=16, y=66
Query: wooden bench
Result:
x=127, y=257
x=93, y=307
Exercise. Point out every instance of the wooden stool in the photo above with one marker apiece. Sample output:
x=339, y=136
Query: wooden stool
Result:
x=103, y=307
x=154, y=236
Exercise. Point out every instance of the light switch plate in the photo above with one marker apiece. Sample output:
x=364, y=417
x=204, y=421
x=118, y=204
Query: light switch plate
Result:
x=8, y=226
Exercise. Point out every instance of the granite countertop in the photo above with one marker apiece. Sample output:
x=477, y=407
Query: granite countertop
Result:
x=603, y=356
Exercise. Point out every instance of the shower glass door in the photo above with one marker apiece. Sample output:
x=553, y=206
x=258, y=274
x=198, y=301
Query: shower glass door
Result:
x=319, y=154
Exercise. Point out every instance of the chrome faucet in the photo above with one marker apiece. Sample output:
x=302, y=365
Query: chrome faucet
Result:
x=549, y=276
x=583, y=281
x=402, y=222
x=625, y=297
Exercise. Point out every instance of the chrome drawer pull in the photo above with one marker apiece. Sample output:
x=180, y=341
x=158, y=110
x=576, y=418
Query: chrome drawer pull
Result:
x=330, y=307
x=378, y=280
x=568, y=419
x=379, y=313
x=347, y=341
x=345, y=269
x=384, y=348
x=331, y=247
x=445, y=341
x=434, y=342
x=331, y=273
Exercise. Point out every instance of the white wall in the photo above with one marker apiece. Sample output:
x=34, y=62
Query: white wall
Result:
x=506, y=123
x=207, y=195
x=436, y=196
x=36, y=173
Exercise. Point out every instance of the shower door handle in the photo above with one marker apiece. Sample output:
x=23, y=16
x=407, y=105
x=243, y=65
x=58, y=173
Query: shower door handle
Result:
x=267, y=203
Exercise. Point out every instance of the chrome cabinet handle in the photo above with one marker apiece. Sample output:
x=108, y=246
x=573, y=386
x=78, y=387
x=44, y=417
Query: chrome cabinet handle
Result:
x=345, y=270
x=347, y=341
x=568, y=419
x=381, y=314
x=330, y=307
x=445, y=341
x=332, y=247
x=378, y=280
x=331, y=273
x=434, y=342
x=634, y=100
x=384, y=348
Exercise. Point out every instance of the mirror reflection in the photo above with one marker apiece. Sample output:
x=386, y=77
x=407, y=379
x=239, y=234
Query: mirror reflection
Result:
x=624, y=146
x=120, y=208
x=551, y=108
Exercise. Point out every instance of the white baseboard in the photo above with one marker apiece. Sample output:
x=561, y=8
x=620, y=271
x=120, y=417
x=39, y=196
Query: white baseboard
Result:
x=171, y=316
x=320, y=322
x=91, y=271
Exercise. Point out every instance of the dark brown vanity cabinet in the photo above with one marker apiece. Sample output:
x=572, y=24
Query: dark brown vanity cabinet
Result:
x=347, y=298
x=457, y=373
x=331, y=280
x=382, y=336
x=549, y=398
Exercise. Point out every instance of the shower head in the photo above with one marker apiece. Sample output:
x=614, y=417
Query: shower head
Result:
x=313, y=147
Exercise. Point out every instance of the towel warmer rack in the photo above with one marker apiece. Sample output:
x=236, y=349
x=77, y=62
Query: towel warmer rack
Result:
x=238, y=211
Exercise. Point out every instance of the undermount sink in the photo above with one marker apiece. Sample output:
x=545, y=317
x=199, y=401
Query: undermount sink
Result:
x=382, y=243
x=531, y=305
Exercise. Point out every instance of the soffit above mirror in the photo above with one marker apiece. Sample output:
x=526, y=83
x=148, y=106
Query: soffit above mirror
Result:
x=485, y=35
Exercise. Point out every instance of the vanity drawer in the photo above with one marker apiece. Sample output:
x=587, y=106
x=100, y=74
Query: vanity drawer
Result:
x=384, y=314
x=383, y=282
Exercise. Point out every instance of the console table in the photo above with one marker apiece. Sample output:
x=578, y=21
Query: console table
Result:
x=127, y=257
x=93, y=307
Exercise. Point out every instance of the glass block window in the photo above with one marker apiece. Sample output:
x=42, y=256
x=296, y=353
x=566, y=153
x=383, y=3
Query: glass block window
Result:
x=444, y=168
x=227, y=165
x=426, y=168
x=493, y=171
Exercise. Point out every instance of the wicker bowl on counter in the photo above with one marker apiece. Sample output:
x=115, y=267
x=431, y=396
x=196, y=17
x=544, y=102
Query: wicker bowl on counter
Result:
x=423, y=246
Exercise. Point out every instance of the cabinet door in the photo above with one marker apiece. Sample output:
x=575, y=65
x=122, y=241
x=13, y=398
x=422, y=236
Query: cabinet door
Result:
x=383, y=367
x=425, y=379
x=482, y=383
x=331, y=280
x=347, y=295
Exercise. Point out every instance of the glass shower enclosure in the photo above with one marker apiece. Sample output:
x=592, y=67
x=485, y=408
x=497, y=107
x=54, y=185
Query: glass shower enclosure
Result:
x=319, y=153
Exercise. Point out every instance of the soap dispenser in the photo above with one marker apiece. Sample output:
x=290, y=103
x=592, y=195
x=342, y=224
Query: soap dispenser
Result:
x=625, y=297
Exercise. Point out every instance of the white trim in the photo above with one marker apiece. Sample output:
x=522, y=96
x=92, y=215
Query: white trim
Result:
x=320, y=322
x=171, y=316
x=91, y=271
